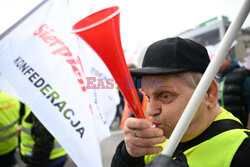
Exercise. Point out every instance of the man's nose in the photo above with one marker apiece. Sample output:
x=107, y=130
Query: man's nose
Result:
x=154, y=107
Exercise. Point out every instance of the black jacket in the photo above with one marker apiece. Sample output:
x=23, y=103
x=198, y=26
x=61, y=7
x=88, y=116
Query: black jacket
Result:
x=241, y=158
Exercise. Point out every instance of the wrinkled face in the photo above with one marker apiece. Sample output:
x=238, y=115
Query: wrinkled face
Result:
x=167, y=103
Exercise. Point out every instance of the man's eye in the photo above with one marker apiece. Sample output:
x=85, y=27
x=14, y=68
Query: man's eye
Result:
x=148, y=97
x=165, y=96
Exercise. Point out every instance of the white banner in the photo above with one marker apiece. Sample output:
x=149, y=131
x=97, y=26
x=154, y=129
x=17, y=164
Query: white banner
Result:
x=104, y=98
x=41, y=59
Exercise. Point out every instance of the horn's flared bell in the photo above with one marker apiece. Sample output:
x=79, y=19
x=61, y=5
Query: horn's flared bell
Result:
x=101, y=31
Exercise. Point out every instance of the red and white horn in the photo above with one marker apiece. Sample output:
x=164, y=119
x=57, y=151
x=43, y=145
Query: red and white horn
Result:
x=101, y=31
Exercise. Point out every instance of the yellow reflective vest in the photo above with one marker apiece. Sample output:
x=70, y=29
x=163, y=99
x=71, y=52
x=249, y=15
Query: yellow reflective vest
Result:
x=215, y=152
x=9, y=115
x=27, y=141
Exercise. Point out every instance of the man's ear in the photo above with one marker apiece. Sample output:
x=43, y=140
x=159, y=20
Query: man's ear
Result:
x=211, y=98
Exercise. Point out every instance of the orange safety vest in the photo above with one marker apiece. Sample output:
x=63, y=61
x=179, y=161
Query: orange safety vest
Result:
x=126, y=113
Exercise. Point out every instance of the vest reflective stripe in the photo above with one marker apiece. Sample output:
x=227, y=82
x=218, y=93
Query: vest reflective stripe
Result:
x=9, y=126
x=9, y=114
x=27, y=141
x=27, y=146
x=217, y=151
x=56, y=145
x=7, y=146
x=7, y=137
x=125, y=114
x=221, y=89
x=26, y=130
x=144, y=104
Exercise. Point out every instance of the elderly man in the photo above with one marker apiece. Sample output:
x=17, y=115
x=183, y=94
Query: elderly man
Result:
x=171, y=70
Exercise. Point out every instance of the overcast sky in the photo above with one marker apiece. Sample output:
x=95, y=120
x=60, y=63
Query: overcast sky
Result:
x=141, y=20
x=154, y=19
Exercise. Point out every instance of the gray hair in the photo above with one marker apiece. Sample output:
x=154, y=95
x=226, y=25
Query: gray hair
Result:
x=191, y=78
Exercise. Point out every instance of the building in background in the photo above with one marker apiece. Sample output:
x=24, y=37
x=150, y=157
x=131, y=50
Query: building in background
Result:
x=212, y=31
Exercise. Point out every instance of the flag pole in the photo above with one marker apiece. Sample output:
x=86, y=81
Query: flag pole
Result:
x=11, y=28
x=206, y=80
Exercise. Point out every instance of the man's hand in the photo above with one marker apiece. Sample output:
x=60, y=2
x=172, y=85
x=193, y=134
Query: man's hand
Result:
x=20, y=127
x=140, y=137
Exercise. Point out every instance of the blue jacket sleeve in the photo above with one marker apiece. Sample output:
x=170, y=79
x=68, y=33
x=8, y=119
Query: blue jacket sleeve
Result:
x=246, y=92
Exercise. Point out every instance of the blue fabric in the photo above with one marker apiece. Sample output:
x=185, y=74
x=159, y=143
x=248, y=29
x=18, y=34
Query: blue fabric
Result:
x=246, y=92
x=234, y=63
x=58, y=162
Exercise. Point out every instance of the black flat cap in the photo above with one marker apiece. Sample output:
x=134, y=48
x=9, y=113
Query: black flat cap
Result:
x=173, y=55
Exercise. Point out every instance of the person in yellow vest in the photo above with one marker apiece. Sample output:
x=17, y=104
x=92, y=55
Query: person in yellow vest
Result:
x=171, y=70
x=38, y=148
x=9, y=116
